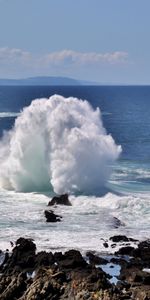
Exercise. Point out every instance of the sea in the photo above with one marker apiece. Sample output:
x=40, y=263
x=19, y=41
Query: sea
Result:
x=114, y=137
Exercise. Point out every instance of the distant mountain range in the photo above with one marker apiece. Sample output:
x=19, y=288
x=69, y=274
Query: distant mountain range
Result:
x=45, y=80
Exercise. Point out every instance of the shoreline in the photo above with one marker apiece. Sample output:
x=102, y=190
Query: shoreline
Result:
x=27, y=275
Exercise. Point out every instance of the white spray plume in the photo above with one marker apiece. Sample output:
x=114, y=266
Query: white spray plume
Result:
x=57, y=143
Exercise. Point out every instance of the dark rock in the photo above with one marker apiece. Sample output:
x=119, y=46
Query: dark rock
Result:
x=58, y=256
x=113, y=245
x=60, y=200
x=105, y=245
x=44, y=259
x=68, y=276
x=96, y=260
x=119, y=238
x=14, y=287
x=143, y=252
x=71, y=259
x=125, y=251
x=51, y=217
x=23, y=256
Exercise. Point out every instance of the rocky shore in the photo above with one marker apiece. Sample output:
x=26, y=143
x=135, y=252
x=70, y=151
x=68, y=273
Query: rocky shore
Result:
x=27, y=275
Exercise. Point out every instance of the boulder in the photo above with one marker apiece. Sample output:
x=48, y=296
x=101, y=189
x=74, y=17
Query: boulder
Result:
x=51, y=217
x=128, y=250
x=60, y=200
x=121, y=238
x=96, y=260
x=70, y=259
x=44, y=259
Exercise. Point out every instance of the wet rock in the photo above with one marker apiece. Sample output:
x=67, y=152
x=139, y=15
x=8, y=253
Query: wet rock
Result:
x=60, y=200
x=113, y=245
x=143, y=252
x=51, y=217
x=23, y=256
x=68, y=276
x=105, y=244
x=71, y=259
x=96, y=260
x=128, y=250
x=44, y=259
x=121, y=238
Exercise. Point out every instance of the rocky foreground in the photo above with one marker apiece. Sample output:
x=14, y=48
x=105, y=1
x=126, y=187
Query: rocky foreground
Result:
x=27, y=275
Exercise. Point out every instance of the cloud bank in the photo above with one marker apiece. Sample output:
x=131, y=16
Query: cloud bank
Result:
x=15, y=61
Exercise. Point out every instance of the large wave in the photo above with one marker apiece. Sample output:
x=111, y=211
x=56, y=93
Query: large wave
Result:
x=57, y=143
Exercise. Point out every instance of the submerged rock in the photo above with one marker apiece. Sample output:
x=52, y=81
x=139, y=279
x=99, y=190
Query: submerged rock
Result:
x=121, y=238
x=51, y=217
x=117, y=223
x=60, y=200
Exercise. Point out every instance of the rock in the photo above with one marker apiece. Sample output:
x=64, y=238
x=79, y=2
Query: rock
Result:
x=44, y=259
x=143, y=252
x=51, y=217
x=23, y=256
x=96, y=260
x=60, y=200
x=125, y=251
x=45, y=286
x=15, y=287
x=69, y=276
x=105, y=245
x=119, y=238
x=71, y=259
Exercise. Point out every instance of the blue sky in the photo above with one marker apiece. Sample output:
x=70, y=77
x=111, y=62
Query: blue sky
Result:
x=96, y=40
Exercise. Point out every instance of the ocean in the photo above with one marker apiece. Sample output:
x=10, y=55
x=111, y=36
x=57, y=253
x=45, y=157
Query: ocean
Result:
x=76, y=148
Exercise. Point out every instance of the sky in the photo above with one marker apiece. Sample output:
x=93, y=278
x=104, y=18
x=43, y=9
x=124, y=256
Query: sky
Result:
x=105, y=41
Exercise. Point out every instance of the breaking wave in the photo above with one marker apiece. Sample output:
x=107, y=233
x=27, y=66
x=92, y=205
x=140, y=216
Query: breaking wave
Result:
x=57, y=144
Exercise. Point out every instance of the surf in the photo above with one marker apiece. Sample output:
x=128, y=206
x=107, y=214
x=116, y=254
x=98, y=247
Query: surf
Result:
x=57, y=144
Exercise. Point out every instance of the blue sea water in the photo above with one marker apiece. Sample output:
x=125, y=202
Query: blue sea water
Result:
x=126, y=116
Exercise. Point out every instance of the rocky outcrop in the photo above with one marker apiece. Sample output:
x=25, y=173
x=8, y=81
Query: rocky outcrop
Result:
x=121, y=238
x=22, y=258
x=51, y=216
x=60, y=200
x=96, y=260
x=47, y=276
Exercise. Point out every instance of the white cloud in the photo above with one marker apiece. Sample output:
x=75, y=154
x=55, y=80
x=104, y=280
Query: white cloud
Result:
x=16, y=62
x=71, y=57
x=12, y=55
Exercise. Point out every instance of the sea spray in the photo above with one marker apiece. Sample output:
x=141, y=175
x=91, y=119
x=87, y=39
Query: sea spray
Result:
x=60, y=144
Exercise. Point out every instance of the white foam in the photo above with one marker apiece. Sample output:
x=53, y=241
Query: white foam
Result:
x=85, y=225
x=57, y=143
x=9, y=114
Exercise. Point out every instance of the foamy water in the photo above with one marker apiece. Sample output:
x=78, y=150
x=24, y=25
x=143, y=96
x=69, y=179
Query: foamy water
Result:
x=60, y=144
x=83, y=226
